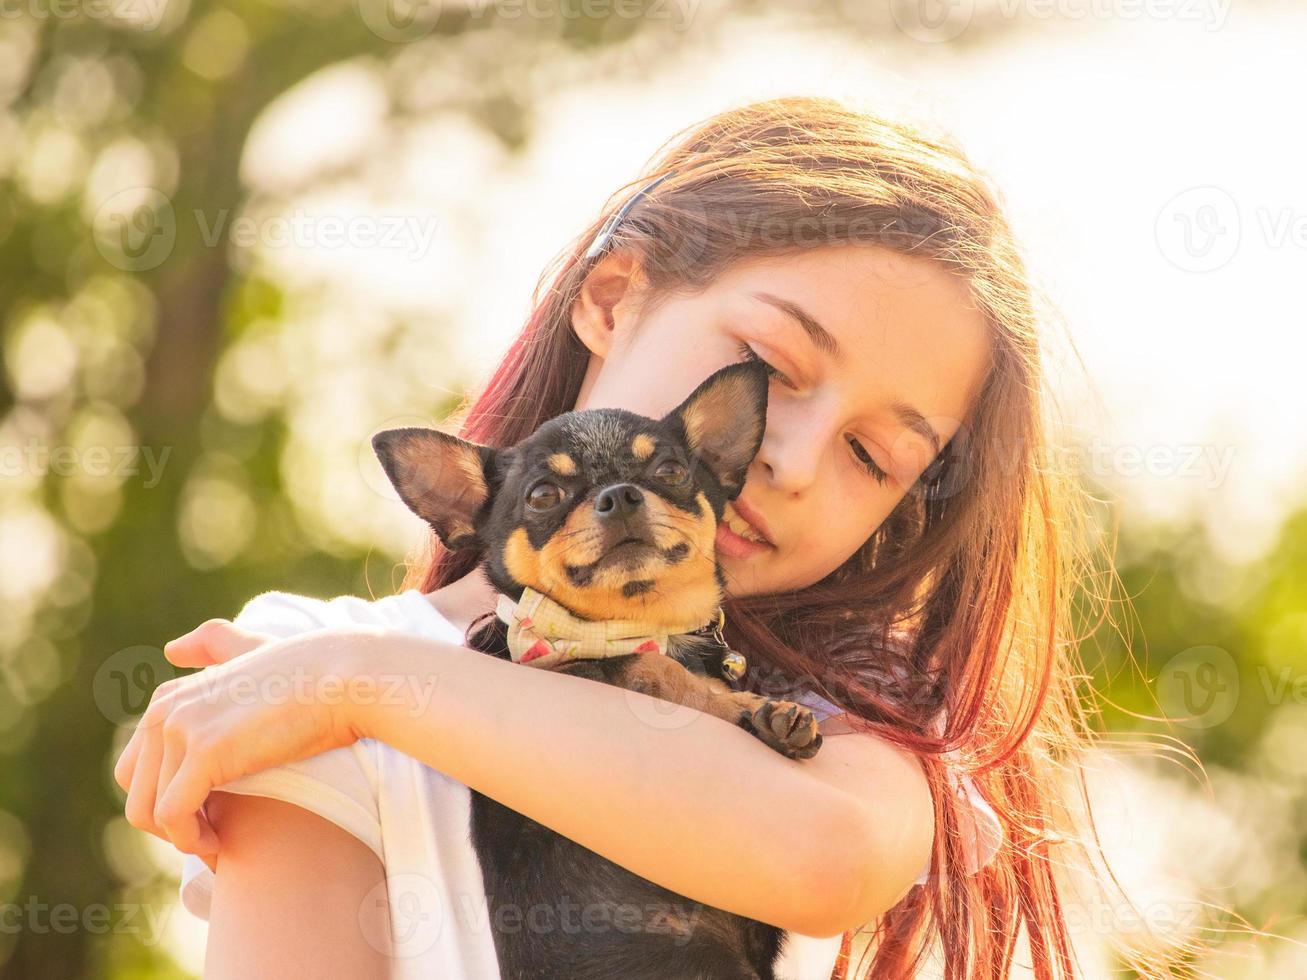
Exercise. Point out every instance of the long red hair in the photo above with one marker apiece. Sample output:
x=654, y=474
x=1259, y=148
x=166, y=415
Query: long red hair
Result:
x=966, y=588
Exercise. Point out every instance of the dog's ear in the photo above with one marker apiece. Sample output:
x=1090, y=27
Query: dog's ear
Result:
x=723, y=420
x=445, y=480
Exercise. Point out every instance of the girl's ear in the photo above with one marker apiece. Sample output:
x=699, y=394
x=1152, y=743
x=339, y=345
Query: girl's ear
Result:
x=443, y=479
x=614, y=279
x=723, y=421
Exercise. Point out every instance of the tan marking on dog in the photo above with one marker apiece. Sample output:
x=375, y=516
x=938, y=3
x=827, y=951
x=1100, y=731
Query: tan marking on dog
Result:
x=682, y=592
x=562, y=464
x=687, y=589
x=470, y=463
x=643, y=446
x=522, y=560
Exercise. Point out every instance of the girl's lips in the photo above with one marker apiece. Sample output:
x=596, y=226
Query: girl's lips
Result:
x=751, y=517
x=732, y=545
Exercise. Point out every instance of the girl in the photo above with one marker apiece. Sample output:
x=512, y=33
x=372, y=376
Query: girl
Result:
x=904, y=549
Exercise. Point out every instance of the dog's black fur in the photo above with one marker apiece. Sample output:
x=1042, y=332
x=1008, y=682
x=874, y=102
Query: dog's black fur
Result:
x=613, y=515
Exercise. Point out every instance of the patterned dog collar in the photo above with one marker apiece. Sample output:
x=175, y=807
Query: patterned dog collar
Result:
x=541, y=632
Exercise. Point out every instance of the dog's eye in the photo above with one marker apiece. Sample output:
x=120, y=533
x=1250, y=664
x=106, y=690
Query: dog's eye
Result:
x=543, y=496
x=671, y=471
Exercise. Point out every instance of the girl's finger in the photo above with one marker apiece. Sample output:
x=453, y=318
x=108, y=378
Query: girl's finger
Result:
x=207, y=845
x=185, y=652
x=199, y=647
x=173, y=752
x=140, y=797
x=126, y=764
x=150, y=723
x=213, y=642
x=180, y=807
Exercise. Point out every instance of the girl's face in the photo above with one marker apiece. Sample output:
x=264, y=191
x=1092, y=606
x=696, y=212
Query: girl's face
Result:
x=879, y=358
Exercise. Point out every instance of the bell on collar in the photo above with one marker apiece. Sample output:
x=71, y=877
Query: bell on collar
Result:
x=734, y=664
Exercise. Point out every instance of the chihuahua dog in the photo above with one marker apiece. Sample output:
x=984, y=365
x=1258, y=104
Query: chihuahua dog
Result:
x=612, y=517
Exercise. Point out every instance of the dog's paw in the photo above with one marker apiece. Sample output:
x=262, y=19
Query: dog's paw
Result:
x=789, y=728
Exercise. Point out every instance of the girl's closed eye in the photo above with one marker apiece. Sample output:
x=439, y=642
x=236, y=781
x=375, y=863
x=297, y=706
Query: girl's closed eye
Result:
x=867, y=463
x=749, y=354
x=859, y=451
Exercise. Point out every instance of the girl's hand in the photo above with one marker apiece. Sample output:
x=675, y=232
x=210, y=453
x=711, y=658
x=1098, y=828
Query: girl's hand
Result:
x=282, y=701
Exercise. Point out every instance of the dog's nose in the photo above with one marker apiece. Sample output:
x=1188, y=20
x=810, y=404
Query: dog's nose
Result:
x=619, y=501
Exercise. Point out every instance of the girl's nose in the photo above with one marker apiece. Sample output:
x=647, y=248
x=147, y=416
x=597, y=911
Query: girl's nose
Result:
x=792, y=447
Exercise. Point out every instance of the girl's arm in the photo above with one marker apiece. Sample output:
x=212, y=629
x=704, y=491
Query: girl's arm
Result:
x=275, y=913
x=676, y=796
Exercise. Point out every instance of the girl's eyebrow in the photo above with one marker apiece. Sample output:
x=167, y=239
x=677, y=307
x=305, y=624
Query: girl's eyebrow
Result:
x=916, y=422
x=821, y=338
x=825, y=341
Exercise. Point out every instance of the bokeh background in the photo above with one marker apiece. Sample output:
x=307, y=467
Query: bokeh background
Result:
x=239, y=237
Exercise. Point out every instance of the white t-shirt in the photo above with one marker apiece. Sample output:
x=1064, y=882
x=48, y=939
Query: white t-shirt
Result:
x=416, y=820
